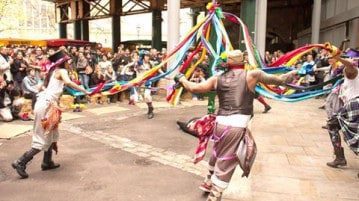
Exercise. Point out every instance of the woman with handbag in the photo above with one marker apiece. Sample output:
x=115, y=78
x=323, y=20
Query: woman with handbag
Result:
x=45, y=132
x=82, y=72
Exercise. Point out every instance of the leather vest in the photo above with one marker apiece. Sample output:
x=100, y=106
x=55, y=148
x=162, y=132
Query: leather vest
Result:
x=233, y=93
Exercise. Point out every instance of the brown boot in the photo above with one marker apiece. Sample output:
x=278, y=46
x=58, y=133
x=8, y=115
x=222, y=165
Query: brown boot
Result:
x=339, y=159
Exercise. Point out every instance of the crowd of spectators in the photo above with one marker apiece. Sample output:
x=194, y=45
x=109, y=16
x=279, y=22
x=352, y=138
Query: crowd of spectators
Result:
x=22, y=70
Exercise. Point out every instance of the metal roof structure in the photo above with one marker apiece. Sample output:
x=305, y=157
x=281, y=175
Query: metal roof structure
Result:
x=72, y=10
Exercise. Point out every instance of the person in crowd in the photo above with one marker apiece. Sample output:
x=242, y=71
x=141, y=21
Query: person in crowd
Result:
x=163, y=56
x=124, y=59
x=320, y=63
x=309, y=65
x=116, y=62
x=97, y=76
x=10, y=103
x=73, y=54
x=81, y=65
x=346, y=118
x=5, y=62
x=267, y=58
x=235, y=91
x=104, y=63
x=204, y=65
x=30, y=86
x=39, y=62
x=128, y=73
x=98, y=56
x=110, y=76
x=197, y=77
x=90, y=60
x=18, y=70
x=154, y=56
x=45, y=132
x=31, y=60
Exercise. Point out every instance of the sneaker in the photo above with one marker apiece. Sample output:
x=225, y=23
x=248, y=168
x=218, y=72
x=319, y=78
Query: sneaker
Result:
x=205, y=187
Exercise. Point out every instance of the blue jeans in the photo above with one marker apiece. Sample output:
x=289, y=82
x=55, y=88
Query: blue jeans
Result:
x=84, y=80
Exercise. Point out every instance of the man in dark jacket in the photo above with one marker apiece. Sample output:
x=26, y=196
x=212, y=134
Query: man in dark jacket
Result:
x=10, y=105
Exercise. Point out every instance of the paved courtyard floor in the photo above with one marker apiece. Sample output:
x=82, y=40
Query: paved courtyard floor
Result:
x=113, y=152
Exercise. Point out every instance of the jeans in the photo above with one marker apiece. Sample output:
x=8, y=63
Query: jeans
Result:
x=84, y=80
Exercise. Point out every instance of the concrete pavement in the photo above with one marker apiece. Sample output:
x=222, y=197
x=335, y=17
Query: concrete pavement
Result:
x=114, y=152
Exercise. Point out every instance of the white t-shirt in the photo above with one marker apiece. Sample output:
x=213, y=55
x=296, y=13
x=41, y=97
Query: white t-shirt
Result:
x=350, y=89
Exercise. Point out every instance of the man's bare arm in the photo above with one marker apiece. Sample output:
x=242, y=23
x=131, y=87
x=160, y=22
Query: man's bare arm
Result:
x=266, y=78
x=205, y=86
x=350, y=71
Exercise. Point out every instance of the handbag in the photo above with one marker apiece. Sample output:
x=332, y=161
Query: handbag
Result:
x=246, y=153
x=88, y=70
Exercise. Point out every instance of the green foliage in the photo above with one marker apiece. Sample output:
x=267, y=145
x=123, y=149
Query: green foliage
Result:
x=19, y=16
x=10, y=14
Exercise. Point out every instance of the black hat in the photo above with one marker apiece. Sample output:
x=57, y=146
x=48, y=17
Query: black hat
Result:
x=60, y=54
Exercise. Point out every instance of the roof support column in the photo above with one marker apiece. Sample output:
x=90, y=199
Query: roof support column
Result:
x=85, y=22
x=62, y=30
x=316, y=21
x=85, y=30
x=194, y=14
x=77, y=30
x=116, y=7
x=248, y=9
x=261, y=26
x=173, y=8
x=173, y=34
x=353, y=36
x=157, y=29
x=63, y=26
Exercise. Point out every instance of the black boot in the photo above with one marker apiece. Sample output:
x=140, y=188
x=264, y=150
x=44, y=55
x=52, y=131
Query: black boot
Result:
x=150, y=114
x=47, y=162
x=333, y=123
x=20, y=164
x=339, y=159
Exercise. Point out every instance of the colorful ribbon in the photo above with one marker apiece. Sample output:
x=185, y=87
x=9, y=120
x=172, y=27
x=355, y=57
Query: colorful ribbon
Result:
x=200, y=36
